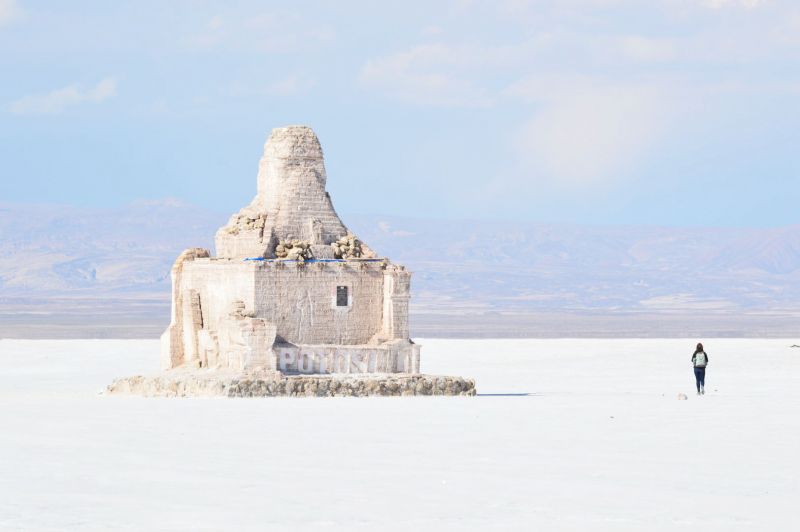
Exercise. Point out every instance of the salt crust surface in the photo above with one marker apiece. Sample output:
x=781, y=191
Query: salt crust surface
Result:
x=581, y=435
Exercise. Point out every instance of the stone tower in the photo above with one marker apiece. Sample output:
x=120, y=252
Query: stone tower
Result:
x=291, y=203
x=291, y=290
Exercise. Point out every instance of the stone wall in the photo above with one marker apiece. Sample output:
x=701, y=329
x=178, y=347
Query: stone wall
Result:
x=301, y=301
x=173, y=348
x=219, y=283
x=220, y=304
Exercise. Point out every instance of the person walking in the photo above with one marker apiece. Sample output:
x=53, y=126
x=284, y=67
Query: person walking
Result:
x=700, y=361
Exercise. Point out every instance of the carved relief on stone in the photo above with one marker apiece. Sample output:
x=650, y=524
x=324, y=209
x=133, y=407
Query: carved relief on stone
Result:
x=208, y=348
x=316, y=230
x=245, y=342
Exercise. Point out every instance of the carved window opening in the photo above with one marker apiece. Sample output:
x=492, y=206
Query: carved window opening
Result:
x=341, y=296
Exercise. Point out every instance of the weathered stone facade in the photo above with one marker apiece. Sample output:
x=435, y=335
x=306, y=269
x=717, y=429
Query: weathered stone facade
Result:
x=291, y=293
x=276, y=297
x=291, y=203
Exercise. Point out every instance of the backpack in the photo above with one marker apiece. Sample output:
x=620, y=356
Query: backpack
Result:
x=700, y=360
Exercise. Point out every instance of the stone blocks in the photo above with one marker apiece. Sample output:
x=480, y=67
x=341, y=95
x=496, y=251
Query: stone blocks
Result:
x=193, y=385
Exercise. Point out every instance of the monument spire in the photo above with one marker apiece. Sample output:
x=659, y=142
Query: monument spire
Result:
x=291, y=204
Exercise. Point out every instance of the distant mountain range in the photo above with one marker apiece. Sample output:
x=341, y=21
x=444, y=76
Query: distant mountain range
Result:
x=469, y=273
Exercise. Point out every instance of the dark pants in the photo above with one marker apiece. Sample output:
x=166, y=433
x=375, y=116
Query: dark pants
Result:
x=700, y=377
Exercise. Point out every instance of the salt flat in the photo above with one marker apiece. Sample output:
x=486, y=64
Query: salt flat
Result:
x=567, y=435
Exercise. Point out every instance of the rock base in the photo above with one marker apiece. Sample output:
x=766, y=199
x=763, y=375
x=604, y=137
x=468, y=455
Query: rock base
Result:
x=197, y=385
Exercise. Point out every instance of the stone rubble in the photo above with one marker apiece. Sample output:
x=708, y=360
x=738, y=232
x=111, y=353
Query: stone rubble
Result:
x=298, y=250
x=204, y=385
x=349, y=247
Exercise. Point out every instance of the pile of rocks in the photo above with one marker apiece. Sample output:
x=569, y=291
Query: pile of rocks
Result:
x=347, y=247
x=191, y=385
x=298, y=250
x=244, y=222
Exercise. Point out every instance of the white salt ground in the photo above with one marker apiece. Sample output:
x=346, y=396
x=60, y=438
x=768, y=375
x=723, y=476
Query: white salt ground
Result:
x=570, y=435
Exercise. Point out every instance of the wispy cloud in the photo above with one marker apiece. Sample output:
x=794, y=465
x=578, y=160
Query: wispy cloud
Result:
x=9, y=11
x=647, y=49
x=57, y=100
x=385, y=227
x=291, y=85
x=573, y=130
x=586, y=131
x=425, y=88
x=263, y=32
x=524, y=7
x=438, y=74
x=460, y=75
x=594, y=107
x=747, y=4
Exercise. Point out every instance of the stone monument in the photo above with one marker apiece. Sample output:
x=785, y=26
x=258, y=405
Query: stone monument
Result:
x=293, y=303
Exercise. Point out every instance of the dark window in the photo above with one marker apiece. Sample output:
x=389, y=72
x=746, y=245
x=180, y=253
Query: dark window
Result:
x=341, y=296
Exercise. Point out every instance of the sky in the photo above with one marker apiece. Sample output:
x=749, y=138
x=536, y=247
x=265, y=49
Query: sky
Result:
x=651, y=112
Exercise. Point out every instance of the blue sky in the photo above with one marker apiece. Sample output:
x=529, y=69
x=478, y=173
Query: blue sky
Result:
x=668, y=112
